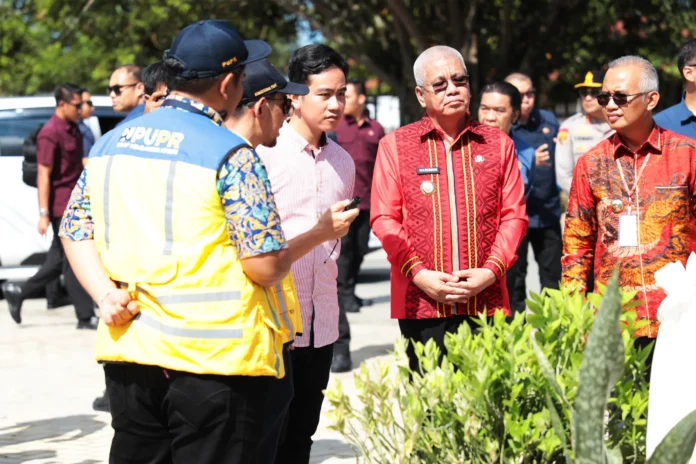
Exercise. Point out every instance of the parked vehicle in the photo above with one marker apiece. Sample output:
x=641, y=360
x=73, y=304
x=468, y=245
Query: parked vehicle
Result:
x=22, y=249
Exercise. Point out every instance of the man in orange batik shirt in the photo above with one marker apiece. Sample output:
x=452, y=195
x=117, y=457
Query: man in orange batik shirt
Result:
x=632, y=196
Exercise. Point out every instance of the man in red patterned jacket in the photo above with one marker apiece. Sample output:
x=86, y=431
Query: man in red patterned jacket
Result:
x=448, y=207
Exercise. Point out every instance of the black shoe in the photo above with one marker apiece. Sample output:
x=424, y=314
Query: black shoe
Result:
x=102, y=403
x=364, y=302
x=352, y=308
x=13, y=295
x=59, y=302
x=90, y=324
x=341, y=363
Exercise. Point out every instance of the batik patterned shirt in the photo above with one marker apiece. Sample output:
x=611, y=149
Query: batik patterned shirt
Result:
x=663, y=203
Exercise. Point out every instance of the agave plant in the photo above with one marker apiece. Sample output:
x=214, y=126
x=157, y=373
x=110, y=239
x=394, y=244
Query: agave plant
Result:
x=602, y=366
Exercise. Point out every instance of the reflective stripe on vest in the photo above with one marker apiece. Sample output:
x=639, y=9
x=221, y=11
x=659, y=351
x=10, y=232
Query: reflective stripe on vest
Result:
x=107, y=180
x=153, y=323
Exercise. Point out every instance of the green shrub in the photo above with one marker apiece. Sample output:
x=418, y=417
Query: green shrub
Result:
x=490, y=399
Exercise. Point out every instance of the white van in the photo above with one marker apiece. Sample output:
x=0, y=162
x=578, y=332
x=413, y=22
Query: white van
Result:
x=22, y=249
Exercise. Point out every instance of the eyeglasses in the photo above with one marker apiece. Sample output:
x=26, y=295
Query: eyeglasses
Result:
x=88, y=103
x=589, y=92
x=287, y=103
x=117, y=89
x=78, y=106
x=440, y=86
x=620, y=99
x=529, y=93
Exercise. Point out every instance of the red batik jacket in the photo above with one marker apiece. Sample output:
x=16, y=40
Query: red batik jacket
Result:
x=446, y=209
x=663, y=202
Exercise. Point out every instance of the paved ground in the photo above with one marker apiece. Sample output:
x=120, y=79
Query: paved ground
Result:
x=49, y=379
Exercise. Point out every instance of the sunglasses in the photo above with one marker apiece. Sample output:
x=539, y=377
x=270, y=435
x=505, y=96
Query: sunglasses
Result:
x=287, y=103
x=589, y=92
x=440, y=86
x=620, y=99
x=117, y=89
x=529, y=93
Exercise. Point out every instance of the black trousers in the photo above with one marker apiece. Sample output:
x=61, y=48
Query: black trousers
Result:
x=354, y=247
x=55, y=264
x=422, y=330
x=170, y=417
x=280, y=394
x=547, y=244
x=310, y=372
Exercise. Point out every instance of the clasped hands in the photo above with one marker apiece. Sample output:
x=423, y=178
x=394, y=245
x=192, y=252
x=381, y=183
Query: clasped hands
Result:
x=456, y=287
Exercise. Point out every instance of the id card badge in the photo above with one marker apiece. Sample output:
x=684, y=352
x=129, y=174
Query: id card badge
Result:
x=628, y=230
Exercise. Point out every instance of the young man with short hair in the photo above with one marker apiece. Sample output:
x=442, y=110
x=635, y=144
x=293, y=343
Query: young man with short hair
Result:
x=308, y=173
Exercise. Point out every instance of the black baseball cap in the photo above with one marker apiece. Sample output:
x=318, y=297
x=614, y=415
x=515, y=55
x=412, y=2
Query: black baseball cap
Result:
x=213, y=47
x=261, y=78
x=592, y=79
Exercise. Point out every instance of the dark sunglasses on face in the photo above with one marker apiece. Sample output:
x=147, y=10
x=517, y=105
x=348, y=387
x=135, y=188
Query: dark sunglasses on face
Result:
x=88, y=103
x=441, y=85
x=589, y=92
x=529, y=93
x=286, y=103
x=117, y=89
x=620, y=99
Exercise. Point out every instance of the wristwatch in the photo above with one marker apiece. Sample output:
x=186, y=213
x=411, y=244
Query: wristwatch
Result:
x=43, y=212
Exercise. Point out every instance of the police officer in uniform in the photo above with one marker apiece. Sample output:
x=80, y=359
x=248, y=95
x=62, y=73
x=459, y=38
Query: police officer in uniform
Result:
x=581, y=131
x=175, y=233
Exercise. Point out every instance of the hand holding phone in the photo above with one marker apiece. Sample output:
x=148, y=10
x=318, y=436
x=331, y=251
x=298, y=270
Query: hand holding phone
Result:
x=353, y=204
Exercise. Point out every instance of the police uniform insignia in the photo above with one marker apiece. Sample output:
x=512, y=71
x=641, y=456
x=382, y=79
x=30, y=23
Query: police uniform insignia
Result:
x=546, y=130
x=563, y=136
x=427, y=187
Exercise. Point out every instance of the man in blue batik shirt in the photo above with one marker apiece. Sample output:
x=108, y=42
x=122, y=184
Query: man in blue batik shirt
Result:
x=537, y=128
x=681, y=118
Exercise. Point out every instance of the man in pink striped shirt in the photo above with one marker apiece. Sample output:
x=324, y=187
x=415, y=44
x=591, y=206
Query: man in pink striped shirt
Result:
x=309, y=173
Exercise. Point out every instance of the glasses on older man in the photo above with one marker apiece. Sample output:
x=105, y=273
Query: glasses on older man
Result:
x=620, y=99
x=440, y=85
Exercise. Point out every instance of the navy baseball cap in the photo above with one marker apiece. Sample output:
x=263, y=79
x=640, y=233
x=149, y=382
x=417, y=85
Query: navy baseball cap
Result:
x=261, y=79
x=213, y=47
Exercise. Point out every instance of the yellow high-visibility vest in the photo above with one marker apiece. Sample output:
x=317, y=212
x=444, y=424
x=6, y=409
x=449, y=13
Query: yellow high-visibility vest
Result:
x=160, y=229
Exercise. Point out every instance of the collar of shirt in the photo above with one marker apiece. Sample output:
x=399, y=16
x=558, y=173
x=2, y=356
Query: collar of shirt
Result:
x=683, y=113
x=427, y=126
x=365, y=122
x=652, y=145
x=206, y=110
x=62, y=124
x=533, y=122
x=298, y=142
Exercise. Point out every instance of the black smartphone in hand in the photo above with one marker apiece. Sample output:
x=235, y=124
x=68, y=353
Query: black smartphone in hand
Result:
x=353, y=204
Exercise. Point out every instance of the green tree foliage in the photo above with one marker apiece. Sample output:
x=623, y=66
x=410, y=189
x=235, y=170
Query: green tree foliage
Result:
x=44, y=42
x=555, y=41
